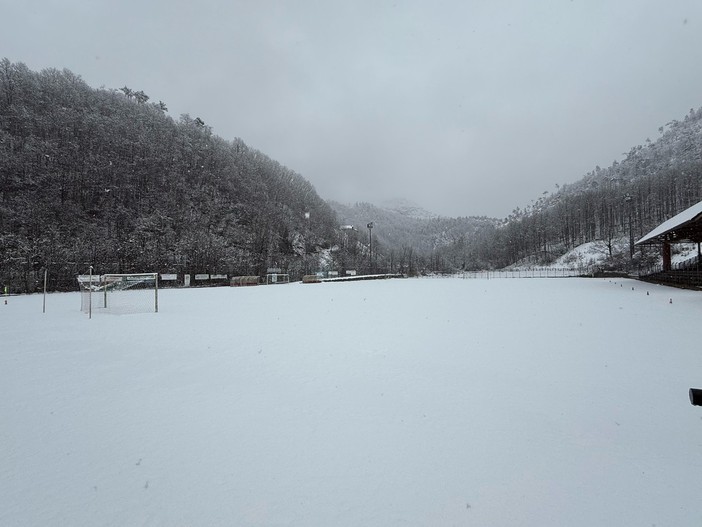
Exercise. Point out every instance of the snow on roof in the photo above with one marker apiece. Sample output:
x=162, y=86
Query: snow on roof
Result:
x=686, y=216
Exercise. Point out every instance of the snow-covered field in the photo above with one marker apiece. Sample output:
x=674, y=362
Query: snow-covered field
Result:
x=442, y=402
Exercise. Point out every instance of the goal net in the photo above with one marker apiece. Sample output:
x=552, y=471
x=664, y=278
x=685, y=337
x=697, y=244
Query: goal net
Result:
x=277, y=278
x=119, y=293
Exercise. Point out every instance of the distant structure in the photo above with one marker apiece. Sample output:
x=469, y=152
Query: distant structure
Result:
x=685, y=227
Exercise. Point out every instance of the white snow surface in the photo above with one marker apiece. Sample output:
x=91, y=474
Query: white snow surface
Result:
x=417, y=402
x=590, y=253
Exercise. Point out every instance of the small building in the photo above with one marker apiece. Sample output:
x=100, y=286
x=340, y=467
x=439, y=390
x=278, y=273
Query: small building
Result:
x=685, y=227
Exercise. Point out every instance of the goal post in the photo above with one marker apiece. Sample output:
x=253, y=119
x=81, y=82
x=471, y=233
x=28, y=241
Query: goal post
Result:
x=89, y=284
x=120, y=293
x=277, y=278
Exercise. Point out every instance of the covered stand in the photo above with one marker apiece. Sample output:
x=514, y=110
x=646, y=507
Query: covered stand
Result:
x=685, y=227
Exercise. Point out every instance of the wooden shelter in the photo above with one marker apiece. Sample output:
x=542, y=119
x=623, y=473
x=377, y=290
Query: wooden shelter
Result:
x=685, y=227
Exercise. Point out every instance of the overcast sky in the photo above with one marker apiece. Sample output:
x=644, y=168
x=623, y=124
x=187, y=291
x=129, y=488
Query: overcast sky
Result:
x=465, y=107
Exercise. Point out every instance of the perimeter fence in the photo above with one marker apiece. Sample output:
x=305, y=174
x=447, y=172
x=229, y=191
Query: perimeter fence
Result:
x=542, y=272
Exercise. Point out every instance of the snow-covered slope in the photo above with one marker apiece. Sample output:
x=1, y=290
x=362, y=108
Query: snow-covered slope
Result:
x=587, y=254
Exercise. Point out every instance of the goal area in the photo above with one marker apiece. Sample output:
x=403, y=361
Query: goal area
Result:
x=119, y=293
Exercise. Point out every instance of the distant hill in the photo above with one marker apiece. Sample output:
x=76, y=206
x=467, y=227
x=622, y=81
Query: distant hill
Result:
x=407, y=208
x=404, y=231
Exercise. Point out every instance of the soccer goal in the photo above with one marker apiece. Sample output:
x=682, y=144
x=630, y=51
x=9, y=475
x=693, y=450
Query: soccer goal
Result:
x=277, y=278
x=119, y=293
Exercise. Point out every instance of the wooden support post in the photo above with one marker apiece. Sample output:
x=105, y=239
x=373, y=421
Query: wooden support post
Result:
x=666, y=256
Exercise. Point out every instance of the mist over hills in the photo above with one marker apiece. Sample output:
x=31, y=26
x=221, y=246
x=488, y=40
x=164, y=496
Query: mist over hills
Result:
x=407, y=208
x=403, y=229
x=106, y=178
x=616, y=205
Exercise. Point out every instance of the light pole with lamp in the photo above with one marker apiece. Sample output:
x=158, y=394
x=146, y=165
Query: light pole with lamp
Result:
x=370, y=245
x=307, y=235
x=628, y=200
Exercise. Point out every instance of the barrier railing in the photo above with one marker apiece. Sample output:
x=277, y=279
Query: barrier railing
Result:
x=690, y=264
x=544, y=272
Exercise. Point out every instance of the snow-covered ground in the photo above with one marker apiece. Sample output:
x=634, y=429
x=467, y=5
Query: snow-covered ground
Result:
x=596, y=253
x=531, y=402
x=587, y=254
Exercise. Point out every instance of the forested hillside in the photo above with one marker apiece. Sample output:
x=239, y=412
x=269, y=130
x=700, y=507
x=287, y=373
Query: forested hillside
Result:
x=107, y=178
x=616, y=205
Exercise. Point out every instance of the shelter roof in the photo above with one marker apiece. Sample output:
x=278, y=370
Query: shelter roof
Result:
x=683, y=227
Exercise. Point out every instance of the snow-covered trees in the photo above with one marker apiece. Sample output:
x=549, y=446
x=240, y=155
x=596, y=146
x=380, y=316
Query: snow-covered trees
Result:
x=100, y=177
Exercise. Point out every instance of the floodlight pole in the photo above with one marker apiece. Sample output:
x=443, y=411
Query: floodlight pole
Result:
x=90, y=294
x=370, y=245
x=43, y=308
x=306, y=239
x=628, y=199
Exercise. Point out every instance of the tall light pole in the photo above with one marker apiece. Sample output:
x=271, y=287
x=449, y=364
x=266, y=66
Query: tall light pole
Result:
x=370, y=245
x=628, y=199
x=307, y=235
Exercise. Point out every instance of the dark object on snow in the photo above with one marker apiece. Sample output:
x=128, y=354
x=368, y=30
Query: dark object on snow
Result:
x=696, y=396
